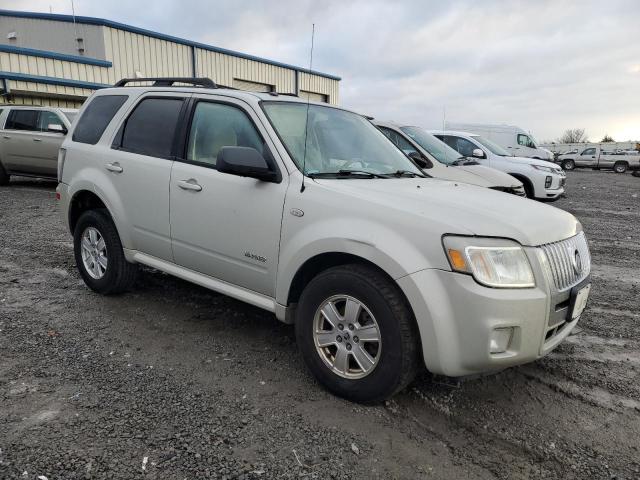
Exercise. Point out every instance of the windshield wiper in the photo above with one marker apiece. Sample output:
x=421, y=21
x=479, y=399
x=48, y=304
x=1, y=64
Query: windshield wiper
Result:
x=404, y=173
x=345, y=173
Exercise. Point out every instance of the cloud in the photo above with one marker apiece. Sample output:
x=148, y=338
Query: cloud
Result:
x=545, y=65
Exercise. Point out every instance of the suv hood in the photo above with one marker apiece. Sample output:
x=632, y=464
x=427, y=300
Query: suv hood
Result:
x=459, y=208
x=496, y=178
x=533, y=161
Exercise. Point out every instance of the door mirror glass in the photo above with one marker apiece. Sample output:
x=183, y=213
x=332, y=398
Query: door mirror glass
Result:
x=478, y=153
x=56, y=128
x=419, y=160
x=244, y=162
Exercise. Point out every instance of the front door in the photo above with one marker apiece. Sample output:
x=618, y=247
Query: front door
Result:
x=222, y=225
x=587, y=158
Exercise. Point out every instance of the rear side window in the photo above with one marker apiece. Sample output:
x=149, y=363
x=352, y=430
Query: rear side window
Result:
x=23, y=120
x=151, y=128
x=96, y=117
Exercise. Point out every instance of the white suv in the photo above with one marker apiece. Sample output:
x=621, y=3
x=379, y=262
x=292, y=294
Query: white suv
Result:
x=542, y=180
x=381, y=269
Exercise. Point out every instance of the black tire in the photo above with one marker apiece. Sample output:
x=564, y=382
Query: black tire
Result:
x=399, y=351
x=120, y=274
x=636, y=173
x=568, y=165
x=4, y=177
x=620, y=167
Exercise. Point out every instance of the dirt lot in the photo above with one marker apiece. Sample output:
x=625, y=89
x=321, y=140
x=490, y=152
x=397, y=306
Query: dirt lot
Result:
x=173, y=381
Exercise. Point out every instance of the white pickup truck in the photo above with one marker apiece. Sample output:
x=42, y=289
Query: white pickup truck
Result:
x=596, y=158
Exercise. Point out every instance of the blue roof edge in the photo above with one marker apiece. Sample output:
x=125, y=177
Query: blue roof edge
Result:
x=142, y=31
x=23, y=77
x=54, y=55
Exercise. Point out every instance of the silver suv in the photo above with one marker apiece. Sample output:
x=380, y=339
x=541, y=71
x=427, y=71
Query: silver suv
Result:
x=310, y=212
x=30, y=138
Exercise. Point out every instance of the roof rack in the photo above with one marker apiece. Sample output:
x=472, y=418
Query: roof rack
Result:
x=169, y=81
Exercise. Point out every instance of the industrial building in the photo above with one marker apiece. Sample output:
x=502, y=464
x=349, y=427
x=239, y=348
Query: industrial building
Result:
x=59, y=60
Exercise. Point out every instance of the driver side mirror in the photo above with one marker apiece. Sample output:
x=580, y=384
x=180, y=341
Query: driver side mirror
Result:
x=420, y=160
x=245, y=162
x=478, y=153
x=56, y=128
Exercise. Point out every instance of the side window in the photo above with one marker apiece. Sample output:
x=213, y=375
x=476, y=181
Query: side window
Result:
x=589, y=151
x=151, y=127
x=400, y=142
x=49, y=118
x=525, y=141
x=463, y=146
x=95, y=118
x=217, y=125
x=23, y=120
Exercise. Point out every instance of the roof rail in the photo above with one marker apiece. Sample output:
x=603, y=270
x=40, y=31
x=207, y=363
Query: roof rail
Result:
x=169, y=81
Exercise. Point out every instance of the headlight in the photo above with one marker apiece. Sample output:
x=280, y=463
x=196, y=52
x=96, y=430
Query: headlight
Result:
x=544, y=169
x=493, y=262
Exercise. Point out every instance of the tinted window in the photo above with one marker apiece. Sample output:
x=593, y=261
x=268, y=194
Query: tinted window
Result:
x=461, y=145
x=215, y=126
x=96, y=117
x=589, y=151
x=151, y=128
x=49, y=118
x=23, y=120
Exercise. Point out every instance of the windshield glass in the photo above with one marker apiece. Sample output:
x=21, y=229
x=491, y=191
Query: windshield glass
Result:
x=337, y=141
x=497, y=149
x=71, y=115
x=437, y=148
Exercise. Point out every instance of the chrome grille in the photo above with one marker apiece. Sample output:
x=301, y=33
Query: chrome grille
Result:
x=569, y=261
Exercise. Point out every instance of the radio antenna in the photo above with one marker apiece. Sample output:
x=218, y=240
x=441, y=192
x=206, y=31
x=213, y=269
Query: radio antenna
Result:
x=306, y=122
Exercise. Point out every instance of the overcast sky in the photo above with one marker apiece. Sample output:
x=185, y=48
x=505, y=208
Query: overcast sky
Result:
x=542, y=65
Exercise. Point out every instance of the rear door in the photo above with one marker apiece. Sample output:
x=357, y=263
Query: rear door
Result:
x=19, y=142
x=139, y=166
x=226, y=226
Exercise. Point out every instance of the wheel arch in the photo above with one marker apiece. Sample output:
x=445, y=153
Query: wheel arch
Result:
x=526, y=181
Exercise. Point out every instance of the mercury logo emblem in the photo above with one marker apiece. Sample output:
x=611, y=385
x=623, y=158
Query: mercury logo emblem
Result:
x=577, y=263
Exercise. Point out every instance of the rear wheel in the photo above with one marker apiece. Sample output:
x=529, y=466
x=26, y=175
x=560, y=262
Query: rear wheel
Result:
x=620, y=167
x=568, y=164
x=357, y=334
x=4, y=177
x=99, y=255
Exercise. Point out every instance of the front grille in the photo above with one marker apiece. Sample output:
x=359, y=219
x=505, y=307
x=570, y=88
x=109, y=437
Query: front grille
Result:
x=569, y=261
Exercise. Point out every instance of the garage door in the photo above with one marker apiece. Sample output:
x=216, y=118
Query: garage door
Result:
x=252, y=86
x=314, y=97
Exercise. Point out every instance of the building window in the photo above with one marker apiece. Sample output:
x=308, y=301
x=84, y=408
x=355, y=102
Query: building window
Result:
x=314, y=97
x=252, y=86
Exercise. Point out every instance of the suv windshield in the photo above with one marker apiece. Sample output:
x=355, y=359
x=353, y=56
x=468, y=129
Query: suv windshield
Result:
x=338, y=142
x=440, y=150
x=497, y=149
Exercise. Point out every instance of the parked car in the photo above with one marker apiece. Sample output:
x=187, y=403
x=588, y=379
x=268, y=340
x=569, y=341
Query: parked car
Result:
x=513, y=139
x=595, y=157
x=444, y=162
x=542, y=180
x=307, y=210
x=30, y=139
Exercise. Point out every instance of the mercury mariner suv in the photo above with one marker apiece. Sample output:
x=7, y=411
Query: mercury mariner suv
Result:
x=308, y=211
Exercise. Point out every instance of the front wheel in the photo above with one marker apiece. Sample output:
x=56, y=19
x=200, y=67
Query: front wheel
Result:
x=568, y=164
x=620, y=167
x=357, y=334
x=99, y=255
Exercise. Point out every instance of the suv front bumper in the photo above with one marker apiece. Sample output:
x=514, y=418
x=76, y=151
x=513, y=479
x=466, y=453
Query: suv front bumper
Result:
x=457, y=319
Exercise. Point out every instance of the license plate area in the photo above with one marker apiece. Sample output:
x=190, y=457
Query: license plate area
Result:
x=578, y=302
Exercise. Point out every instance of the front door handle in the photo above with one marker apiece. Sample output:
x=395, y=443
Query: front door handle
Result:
x=113, y=167
x=190, y=184
x=37, y=139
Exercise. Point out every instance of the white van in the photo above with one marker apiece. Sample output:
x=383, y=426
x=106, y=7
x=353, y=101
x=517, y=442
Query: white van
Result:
x=517, y=142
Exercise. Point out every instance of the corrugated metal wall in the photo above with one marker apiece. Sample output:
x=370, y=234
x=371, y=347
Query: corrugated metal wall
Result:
x=318, y=84
x=152, y=57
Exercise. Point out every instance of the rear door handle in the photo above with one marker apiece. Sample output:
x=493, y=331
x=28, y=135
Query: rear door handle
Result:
x=190, y=184
x=113, y=167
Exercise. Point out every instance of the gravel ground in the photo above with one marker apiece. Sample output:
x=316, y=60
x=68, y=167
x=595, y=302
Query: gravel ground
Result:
x=173, y=381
